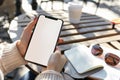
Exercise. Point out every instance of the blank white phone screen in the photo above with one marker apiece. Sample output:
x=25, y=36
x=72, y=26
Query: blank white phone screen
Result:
x=43, y=40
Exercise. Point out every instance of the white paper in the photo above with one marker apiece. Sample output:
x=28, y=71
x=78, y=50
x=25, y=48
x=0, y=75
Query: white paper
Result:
x=81, y=59
x=108, y=72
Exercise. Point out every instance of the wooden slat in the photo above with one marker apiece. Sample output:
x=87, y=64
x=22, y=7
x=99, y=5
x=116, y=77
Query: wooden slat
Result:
x=68, y=27
x=106, y=45
x=94, y=24
x=93, y=35
x=95, y=28
x=84, y=30
x=89, y=17
x=116, y=44
x=67, y=23
x=91, y=20
x=89, y=42
x=66, y=12
x=105, y=39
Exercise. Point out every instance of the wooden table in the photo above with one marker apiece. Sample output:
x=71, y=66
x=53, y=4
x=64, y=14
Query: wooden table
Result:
x=91, y=29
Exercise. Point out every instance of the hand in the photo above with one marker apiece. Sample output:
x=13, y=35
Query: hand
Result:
x=25, y=37
x=56, y=61
x=60, y=40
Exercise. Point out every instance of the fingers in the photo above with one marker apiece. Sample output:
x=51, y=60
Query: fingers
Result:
x=54, y=57
x=60, y=40
x=57, y=51
x=31, y=25
x=56, y=61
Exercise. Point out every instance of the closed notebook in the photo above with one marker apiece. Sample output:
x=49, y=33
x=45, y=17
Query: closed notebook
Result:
x=82, y=60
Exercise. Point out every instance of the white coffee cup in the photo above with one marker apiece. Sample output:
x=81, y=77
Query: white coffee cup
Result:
x=75, y=12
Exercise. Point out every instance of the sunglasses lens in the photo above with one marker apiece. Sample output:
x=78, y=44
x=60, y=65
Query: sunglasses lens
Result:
x=112, y=59
x=96, y=50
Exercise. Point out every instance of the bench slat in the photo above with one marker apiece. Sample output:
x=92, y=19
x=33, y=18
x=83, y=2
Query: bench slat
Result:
x=116, y=44
x=89, y=42
x=88, y=36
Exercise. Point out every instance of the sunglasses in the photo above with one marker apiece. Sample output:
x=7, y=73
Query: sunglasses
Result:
x=110, y=58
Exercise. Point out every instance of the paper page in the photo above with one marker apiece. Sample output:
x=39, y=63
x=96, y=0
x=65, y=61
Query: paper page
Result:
x=107, y=73
x=81, y=59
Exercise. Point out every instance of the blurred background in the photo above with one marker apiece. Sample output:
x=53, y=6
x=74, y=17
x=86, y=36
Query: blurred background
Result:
x=9, y=9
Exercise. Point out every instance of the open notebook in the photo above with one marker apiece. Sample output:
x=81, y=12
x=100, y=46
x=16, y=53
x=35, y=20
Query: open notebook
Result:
x=83, y=61
x=107, y=73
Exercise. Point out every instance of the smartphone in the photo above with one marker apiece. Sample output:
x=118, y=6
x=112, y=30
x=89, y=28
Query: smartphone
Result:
x=43, y=40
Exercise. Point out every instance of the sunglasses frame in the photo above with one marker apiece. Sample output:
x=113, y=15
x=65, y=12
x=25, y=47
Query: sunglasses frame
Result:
x=110, y=58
